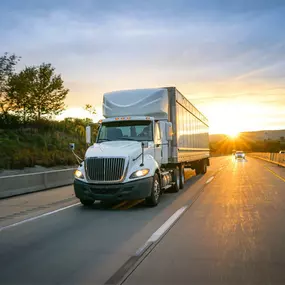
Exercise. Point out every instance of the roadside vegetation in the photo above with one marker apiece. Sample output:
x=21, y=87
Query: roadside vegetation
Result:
x=29, y=101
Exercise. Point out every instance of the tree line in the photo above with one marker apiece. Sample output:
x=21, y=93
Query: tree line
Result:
x=31, y=94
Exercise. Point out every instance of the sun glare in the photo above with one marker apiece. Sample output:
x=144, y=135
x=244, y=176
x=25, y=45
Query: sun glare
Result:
x=233, y=134
x=232, y=118
x=80, y=113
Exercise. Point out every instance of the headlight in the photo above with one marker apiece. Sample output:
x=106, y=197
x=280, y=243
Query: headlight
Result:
x=78, y=174
x=140, y=173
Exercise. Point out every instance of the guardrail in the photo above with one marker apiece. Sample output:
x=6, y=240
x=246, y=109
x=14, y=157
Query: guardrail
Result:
x=26, y=183
x=276, y=158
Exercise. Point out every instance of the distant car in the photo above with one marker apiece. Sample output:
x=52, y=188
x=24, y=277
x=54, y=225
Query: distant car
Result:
x=282, y=151
x=239, y=154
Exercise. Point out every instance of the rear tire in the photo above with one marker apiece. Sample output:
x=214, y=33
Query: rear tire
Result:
x=204, y=167
x=201, y=167
x=182, y=177
x=198, y=169
x=87, y=202
x=176, y=180
x=153, y=199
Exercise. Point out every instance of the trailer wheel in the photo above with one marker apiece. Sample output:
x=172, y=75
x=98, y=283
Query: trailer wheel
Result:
x=204, y=166
x=86, y=202
x=182, y=176
x=153, y=199
x=201, y=167
x=176, y=180
x=198, y=169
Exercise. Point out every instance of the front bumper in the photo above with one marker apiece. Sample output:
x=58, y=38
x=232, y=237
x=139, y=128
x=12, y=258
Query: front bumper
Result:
x=134, y=190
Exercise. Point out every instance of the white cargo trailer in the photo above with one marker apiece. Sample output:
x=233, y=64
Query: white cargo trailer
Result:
x=147, y=139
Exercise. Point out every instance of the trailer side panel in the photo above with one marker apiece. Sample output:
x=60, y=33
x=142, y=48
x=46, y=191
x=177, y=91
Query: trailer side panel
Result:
x=191, y=130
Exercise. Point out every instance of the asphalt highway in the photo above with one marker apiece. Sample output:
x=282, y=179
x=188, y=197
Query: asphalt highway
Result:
x=225, y=227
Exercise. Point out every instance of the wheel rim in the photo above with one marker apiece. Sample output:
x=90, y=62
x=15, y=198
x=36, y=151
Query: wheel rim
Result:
x=156, y=190
x=182, y=176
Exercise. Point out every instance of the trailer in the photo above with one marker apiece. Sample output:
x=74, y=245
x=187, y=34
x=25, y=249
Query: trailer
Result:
x=144, y=143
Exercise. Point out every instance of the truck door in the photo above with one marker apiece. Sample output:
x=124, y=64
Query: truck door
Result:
x=164, y=141
x=157, y=143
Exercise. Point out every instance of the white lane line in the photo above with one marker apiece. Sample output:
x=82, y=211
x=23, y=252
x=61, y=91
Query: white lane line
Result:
x=143, y=248
x=210, y=179
x=156, y=235
x=37, y=217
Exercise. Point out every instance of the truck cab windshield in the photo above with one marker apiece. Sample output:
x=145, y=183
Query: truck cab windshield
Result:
x=126, y=130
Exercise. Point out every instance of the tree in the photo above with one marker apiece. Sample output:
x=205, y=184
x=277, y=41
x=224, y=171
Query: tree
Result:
x=7, y=68
x=46, y=90
x=19, y=91
x=90, y=109
x=35, y=92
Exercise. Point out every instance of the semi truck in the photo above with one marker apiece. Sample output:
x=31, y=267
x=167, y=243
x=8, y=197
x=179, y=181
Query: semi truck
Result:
x=144, y=143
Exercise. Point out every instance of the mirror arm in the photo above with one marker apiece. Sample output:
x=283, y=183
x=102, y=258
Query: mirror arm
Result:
x=79, y=159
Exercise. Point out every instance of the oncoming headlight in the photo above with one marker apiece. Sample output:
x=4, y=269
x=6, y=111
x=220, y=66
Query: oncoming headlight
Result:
x=140, y=173
x=78, y=174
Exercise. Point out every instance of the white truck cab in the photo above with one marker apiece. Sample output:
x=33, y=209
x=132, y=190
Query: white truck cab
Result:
x=136, y=154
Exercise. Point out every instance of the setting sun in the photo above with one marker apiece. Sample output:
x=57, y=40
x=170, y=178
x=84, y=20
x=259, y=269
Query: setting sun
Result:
x=233, y=134
x=232, y=117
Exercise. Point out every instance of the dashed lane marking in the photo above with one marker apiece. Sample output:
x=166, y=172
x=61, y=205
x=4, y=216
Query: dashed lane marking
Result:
x=37, y=217
x=210, y=179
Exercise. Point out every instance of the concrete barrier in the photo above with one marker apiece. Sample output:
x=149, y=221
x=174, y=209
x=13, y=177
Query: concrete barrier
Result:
x=276, y=158
x=26, y=183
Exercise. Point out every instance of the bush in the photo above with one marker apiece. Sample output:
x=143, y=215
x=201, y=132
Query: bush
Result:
x=44, y=143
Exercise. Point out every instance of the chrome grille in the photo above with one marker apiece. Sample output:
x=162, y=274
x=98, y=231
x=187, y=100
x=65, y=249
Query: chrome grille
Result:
x=105, y=169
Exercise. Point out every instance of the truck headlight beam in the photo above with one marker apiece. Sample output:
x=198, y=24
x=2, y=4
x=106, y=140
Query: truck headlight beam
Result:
x=139, y=173
x=78, y=174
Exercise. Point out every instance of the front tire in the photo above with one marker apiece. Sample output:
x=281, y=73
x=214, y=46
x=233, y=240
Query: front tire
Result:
x=153, y=199
x=87, y=202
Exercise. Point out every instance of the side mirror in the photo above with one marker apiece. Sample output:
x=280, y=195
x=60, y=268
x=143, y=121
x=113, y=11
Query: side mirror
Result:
x=88, y=135
x=169, y=131
x=146, y=144
x=72, y=146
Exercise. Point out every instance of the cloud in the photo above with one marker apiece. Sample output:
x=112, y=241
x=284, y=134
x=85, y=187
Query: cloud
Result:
x=213, y=51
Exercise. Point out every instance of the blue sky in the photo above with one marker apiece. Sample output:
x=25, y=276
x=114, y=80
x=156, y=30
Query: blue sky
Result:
x=223, y=55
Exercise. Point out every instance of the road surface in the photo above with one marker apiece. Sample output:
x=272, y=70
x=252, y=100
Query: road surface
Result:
x=226, y=227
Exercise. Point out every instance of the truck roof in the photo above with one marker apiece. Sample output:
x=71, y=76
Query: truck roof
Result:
x=137, y=102
x=153, y=102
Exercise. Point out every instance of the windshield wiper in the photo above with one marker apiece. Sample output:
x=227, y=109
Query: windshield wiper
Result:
x=103, y=140
x=127, y=139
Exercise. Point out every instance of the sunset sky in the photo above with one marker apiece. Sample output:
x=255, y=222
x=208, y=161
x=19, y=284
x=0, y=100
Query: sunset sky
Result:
x=226, y=57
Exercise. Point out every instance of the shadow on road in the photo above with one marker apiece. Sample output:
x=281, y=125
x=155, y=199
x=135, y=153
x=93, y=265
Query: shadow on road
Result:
x=166, y=199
